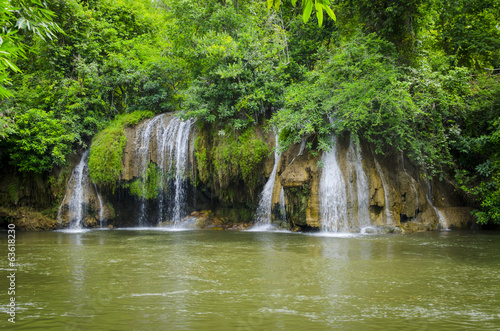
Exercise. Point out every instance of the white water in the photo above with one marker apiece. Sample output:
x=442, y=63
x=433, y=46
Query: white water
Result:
x=101, y=209
x=79, y=180
x=80, y=196
x=142, y=156
x=178, y=144
x=172, y=146
x=332, y=194
x=282, y=205
x=263, y=213
x=442, y=220
x=362, y=189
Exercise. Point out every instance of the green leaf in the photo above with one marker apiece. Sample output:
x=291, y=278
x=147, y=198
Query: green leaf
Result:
x=294, y=2
x=21, y=24
x=277, y=5
x=12, y=66
x=319, y=12
x=269, y=4
x=307, y=10
x=330, y=12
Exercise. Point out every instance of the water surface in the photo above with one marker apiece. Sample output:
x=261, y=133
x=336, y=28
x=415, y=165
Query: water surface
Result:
x=229, y=280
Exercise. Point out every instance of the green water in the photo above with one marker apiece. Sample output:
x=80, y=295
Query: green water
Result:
x=211, y=280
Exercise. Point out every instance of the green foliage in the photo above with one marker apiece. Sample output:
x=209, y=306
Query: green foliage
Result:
x=110, y=61
x=21, y=15
x=237, y=157
x=416, y=76
x=307, y=7
x=396, y=21
x=106, y=151
x=469, y=33
x=201, y=159
x=40, y=141
x=150, y=184
x=476, y=148
x=13, y=193
x=360, y=89
x=237, y=70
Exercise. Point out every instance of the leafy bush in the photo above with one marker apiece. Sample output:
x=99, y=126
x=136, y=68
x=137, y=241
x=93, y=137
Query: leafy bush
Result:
x=39, y=141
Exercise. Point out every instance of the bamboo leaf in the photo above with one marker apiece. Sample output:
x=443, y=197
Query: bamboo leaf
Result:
x=307, y=10
x=330, y=12
x=12, y=66
x=277, y=5
x=319, y=12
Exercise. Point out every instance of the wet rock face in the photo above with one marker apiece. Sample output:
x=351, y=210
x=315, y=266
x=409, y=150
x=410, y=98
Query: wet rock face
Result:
x=398, y=195
x=298, y=176
x=385, y=192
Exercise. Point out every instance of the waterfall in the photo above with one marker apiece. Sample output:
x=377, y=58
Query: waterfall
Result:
x=101, y=209
x=79, y=193
x=362, y=189
x=171, y=143
x=263, y=213
x=332, y=193
x=176, y=140
x=282, y=205
x=442, y=219
x=142, y=142
x=79, y=180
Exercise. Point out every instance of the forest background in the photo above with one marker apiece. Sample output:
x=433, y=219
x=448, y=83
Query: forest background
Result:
x=416, y=76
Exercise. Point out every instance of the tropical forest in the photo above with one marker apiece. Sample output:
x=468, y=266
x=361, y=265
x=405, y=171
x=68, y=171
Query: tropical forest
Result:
x=250, y=164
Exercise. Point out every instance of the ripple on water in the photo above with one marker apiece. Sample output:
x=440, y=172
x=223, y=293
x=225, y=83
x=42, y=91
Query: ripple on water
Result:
x=336, y=234
x=73, y=230
x=267, y=228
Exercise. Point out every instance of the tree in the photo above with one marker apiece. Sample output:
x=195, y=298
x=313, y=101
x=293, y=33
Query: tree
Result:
x=26, y=16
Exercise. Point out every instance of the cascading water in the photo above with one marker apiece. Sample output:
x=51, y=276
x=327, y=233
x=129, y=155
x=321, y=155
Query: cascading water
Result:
x=101, y=209
x=442, y=219
x=362, y=189
x=282, y=205
x=142, y=142
x=263, y=213
x=79, y=181
x=332, y=194
x=176, y=139
x=172, y=147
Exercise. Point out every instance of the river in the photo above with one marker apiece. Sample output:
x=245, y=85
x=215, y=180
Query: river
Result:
x=145, y=279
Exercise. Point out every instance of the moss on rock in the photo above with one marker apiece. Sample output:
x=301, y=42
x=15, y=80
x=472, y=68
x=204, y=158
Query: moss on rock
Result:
x=106, y=151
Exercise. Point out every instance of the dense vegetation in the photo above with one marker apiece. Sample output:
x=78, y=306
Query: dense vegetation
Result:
x=419, y=76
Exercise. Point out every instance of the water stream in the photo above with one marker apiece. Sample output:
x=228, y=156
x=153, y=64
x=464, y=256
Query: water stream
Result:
x=101, y=208
x=178, y=149
x=169, y=137
x=79, y=181
x=263, y=213
x=332, y=193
